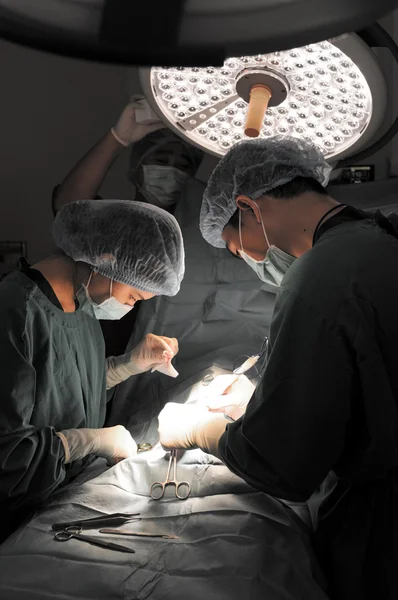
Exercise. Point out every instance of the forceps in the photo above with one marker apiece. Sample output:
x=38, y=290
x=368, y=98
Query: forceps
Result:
x=114, y=519
x=165, y=536
x=158, y=487
x=74, y=533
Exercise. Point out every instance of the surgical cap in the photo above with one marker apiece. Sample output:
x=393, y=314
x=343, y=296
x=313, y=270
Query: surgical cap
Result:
x=252, y=168
x=133, y=243
x=153, y=142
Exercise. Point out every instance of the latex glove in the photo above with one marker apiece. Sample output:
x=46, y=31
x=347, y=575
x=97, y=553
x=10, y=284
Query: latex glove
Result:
x=127, y=131
x=114, y=443
x=230, y=395
x=153, y=352
x=190, y=426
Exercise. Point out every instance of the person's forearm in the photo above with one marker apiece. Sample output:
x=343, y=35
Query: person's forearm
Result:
x=85, y=179
x=120, y=368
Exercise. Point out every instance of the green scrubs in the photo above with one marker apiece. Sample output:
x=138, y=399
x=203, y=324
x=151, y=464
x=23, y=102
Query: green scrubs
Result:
x=328, y=404
x=52, y=377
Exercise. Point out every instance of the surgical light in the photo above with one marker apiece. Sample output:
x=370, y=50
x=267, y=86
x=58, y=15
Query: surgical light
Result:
x=332, y=92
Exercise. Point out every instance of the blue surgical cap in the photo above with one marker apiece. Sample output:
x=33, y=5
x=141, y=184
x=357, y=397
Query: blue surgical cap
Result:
x=253, y=168
x=141, y=150
x=130, y=242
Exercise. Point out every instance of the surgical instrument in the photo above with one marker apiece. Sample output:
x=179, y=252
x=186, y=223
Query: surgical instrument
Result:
x=208, y=379
x=161, y=486
x=74, y=533
x=139, y=534
x=144, y=447
x=251, y=361
x=113, y=519
x=247, y=365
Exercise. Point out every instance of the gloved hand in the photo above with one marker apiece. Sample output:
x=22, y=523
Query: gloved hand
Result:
x=127, y=131
x=190, y=426
x=153, y=352
x=114, y=443
x=229, y=394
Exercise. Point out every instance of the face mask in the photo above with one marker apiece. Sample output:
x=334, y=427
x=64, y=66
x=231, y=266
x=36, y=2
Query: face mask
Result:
x=274, y=266
x=162, y=185
x=110, y=309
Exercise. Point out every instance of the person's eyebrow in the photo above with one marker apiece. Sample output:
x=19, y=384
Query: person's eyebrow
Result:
x=232, y=253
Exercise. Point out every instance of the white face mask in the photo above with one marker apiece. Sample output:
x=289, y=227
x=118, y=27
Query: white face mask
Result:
x=162, y=185
x=109, y=309
x=276, y=263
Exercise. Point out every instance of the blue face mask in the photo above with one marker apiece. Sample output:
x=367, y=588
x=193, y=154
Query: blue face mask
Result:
x=274, y=266
x=109, y=309
x=162, y=185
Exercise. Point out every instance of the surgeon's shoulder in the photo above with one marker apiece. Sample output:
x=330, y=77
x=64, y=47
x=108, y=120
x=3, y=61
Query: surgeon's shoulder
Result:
x=302, y=271
x=322, y=274
x=15, y=296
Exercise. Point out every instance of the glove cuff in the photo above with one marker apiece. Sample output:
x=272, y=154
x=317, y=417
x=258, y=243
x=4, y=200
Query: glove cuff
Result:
x=208, y=432
x=65, y=445
x=78, y=443
x=120, y=368
x=118, y=139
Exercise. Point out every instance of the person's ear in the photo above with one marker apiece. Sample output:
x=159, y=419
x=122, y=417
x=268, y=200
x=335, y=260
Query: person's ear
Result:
x=243, y=202
x=246, y=203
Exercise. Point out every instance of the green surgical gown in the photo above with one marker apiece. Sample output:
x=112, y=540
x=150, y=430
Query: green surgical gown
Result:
x=52, y=377
x=327, y=406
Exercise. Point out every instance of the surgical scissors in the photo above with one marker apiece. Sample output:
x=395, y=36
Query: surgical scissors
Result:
x=74, y=533
x=161, y=486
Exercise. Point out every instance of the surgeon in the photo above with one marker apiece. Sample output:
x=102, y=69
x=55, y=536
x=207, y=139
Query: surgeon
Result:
x=323, y=423
x=52, y=358
x=160, y=165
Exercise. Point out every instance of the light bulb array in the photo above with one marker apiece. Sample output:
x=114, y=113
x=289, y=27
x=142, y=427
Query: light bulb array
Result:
x=328, y=99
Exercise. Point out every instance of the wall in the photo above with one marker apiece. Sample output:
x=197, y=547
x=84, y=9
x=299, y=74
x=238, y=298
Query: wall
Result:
x=52, y=110
x=385, y=159
x=392, y=26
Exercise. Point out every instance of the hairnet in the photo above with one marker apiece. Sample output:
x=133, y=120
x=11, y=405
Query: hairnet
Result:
x=130, y=242
x=253, y=168
x=152, y=142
